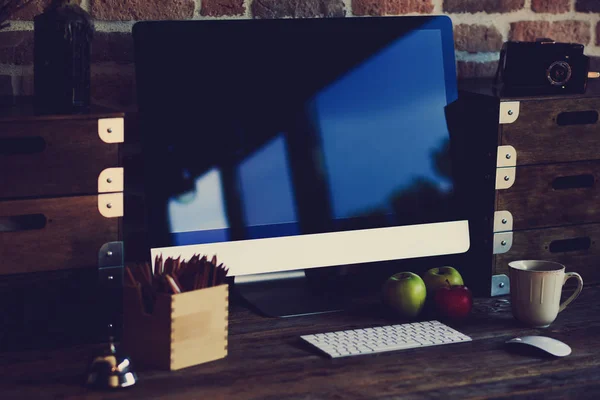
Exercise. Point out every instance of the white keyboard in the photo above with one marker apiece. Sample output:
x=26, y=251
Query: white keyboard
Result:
x=385, y=338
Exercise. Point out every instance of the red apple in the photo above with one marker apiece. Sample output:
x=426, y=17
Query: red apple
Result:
x=453, y=301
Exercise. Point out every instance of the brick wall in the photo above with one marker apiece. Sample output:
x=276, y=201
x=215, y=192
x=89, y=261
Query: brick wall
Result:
x=481, y=26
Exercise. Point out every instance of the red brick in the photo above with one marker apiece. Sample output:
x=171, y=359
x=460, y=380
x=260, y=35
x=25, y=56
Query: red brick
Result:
x=563, y=31
x=221, y=8
x=114, y=90
x=391, y=7
x=477, y=38
x=470, y=69
x=16, y=47
x=112, y=46
x=297, y=8
x=130, y=10
x=591, y=6
x=488, y=6
x=31, y=10
x=551, y=6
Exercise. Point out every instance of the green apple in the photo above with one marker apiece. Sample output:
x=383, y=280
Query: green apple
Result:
x=436, y=278
x=405, y=293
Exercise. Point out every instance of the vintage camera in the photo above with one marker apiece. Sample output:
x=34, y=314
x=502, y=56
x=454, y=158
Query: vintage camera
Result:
x=543, y=67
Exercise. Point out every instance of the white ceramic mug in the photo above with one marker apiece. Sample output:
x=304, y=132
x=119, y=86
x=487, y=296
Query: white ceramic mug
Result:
x=535, y=290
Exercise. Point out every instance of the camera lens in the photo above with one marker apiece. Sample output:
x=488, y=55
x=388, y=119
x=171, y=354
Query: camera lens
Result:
x=558, y=73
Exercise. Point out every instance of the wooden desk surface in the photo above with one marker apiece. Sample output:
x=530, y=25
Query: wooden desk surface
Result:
x=267, y=360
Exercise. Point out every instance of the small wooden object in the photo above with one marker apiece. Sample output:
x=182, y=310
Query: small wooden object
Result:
x=184, y=329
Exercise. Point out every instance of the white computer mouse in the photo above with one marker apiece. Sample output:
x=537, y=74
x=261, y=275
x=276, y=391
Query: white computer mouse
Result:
x=547, y=344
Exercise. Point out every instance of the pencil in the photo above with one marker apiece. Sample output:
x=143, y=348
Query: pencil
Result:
x=172, y=284
x=130, y=276
x=156, y=266
x=206, y=274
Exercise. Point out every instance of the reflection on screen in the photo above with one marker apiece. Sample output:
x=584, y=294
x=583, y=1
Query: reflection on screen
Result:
x=381, y=123
x=199, y=216
x=266, y=192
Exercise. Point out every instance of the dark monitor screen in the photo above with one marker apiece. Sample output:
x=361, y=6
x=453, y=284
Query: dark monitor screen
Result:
x=260, y=129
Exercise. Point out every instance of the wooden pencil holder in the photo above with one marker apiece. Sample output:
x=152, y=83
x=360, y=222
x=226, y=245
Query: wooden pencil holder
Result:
x=183, y=330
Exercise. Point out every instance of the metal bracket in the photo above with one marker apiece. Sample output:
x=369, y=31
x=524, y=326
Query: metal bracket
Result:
x=505, y=177
x=111, y=180
x=111, y=255
x=509, y=111
x=500, y=285
x=503, y=221
x=502, y=242
x=110, y=281
x=507, y=157
x=110, y=205
x=111, y=130
x=110, y=265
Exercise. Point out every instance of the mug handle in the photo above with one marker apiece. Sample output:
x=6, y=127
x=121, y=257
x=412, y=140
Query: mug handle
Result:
x=568, y=301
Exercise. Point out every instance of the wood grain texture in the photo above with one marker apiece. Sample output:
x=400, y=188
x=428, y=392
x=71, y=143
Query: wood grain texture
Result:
x=185, y=329
x=73, y=157
x=539, y=139
x=534, y=203
x=74, y=233
x=535, y=245
x=199, y=326
x=24, y=109
x=141, y=331
x=267, y=360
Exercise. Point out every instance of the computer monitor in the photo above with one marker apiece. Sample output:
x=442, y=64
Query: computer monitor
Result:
x=287, y=145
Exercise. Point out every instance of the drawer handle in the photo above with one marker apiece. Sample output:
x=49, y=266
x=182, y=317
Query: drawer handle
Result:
x=27, y=222
x=573, y=182
x=577, y=118
x=25, y=145
x=565, y=245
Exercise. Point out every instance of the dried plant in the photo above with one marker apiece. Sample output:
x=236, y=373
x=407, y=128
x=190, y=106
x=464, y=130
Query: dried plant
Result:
x=8, y=8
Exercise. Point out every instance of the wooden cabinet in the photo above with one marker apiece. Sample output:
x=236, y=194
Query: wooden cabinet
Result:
x=61, y=209
x=60, y=157
x=527, y=173
x=547, y=195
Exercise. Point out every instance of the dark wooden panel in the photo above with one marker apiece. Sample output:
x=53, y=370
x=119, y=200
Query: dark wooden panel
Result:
x=538, y=245
x=539, y=139
x=50, y=309
x=473, y=125
x=74, y=233
x=486, y=87
x=553, y=195
x=24, y=109
x=69, y=163
x=267, y=360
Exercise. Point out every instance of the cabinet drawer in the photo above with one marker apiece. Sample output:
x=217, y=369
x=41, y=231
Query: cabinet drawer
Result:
x=57, y=157
x=553, y=130
x=552, y=195
x=576, y=247
x=58, y=233
x=50, y=309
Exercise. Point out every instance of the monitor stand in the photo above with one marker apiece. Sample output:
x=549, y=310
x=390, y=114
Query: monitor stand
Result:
x=288, y=294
